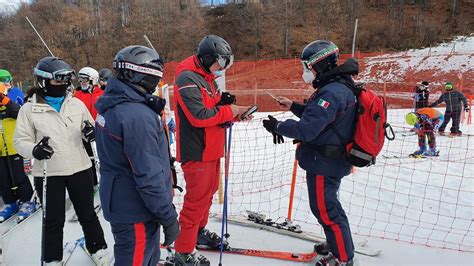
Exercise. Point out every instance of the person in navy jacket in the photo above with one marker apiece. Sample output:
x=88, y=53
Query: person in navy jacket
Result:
x=331, y=109
x=135, y=186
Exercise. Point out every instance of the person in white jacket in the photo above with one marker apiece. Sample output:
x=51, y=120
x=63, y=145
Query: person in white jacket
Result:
x=52, y=111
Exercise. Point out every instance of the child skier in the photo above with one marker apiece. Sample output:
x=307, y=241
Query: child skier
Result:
x=454, y=100
x=51, y=111
x=15, y=186
x=426, y=121
x=422, y=95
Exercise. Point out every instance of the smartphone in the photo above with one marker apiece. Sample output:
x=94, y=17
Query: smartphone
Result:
x=249, y=111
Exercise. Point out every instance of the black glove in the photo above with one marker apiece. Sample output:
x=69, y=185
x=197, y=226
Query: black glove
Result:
x=467, y=109
x=88, y=132
x=171, y=231
x=227, y=98
x=270, y=125
x=226, y=124
x=42, y=150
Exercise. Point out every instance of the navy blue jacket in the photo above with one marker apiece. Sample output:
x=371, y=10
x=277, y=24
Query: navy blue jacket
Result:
x=135, y=184
x=333, y=103
x=453, y=99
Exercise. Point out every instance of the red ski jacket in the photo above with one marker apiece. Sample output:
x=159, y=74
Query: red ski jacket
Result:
x=199, y=136
x=89, y=98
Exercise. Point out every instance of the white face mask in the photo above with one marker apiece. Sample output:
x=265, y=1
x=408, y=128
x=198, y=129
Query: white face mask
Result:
x=85, y=87
x=308, y=76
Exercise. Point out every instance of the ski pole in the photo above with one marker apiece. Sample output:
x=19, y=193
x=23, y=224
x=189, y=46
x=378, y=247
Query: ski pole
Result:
x=226, y=181
x=45, y=140
x=37, y=33
x=9, y=163
x=94, y=153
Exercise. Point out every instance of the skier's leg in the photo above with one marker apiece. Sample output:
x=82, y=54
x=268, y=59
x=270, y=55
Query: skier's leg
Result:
x=136, y=244
x=8, y=195
x=25, y=190
x=215, y=187
x=330, y=214
x=200, y=179
x=456, y=115
x=447, y=117
x=81, y=192
x=55, y=216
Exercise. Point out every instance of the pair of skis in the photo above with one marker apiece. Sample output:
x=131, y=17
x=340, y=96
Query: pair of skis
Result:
x=259, y=221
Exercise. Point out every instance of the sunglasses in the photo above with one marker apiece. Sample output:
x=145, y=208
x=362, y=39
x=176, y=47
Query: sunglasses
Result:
x=60, y=75
x=225, y=61
x=5, y=79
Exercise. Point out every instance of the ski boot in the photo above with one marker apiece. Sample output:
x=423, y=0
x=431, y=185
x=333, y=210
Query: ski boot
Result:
x=419, y=153
x=7, y=211
x=210, y=239
x=454, y=134
x=26, y=209
x=431, y=153
x=330, y=260
x=188, y=259
x=321, y=248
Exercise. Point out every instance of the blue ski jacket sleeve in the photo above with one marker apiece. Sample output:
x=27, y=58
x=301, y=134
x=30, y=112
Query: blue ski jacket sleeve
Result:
x=148, y=167
x=334, y=104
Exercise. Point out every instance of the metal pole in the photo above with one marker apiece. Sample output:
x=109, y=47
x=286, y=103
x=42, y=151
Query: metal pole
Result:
x=45, y=45
x=149, y=42
x=355, y=35
x=43, y=204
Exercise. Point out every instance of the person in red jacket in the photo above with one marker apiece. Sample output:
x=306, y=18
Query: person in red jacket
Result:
x=89, y=90
x=202, y=113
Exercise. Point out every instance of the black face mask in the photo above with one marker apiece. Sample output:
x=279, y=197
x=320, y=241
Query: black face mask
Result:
x=55, y=90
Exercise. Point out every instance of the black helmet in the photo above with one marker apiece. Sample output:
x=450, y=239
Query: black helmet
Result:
x=213, y=48
x=53, y=68
x=426, y=83
x=320, y=56
x=139, y=65
x=105, y=74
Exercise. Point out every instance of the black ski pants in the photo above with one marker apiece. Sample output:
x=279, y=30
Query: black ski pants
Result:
x=322, y=191
x=81, y=192
x=24, y=189
x=456, y=116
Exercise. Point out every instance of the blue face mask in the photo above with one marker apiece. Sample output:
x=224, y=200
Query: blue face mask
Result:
x=55, y=102
x=218, y=73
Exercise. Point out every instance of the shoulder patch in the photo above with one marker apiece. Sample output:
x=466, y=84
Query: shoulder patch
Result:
x=100, y=120
x=323, y=103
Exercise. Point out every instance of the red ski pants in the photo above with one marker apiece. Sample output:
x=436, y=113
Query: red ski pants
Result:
x=202, y=181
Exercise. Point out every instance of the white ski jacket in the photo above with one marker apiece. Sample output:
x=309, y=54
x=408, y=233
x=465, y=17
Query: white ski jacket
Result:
x=38, y=119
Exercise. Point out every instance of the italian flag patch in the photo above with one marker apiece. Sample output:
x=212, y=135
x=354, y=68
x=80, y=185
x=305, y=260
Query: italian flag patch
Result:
x=324, y=104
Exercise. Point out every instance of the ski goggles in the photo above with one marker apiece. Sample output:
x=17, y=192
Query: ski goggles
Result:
x=448, y=87
x=225, y=61
x=83, y=79
x=6, y=79
x=60, y=75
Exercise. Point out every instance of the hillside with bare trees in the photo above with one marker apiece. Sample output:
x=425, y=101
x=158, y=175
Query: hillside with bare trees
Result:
x=90, y=32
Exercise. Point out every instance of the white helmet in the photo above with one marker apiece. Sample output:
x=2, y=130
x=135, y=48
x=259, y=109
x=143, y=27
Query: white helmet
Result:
x=90, y=74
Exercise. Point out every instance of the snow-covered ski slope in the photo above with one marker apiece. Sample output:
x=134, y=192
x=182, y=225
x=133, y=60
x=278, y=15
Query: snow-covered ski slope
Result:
x=400, y=205
x=437, y=64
